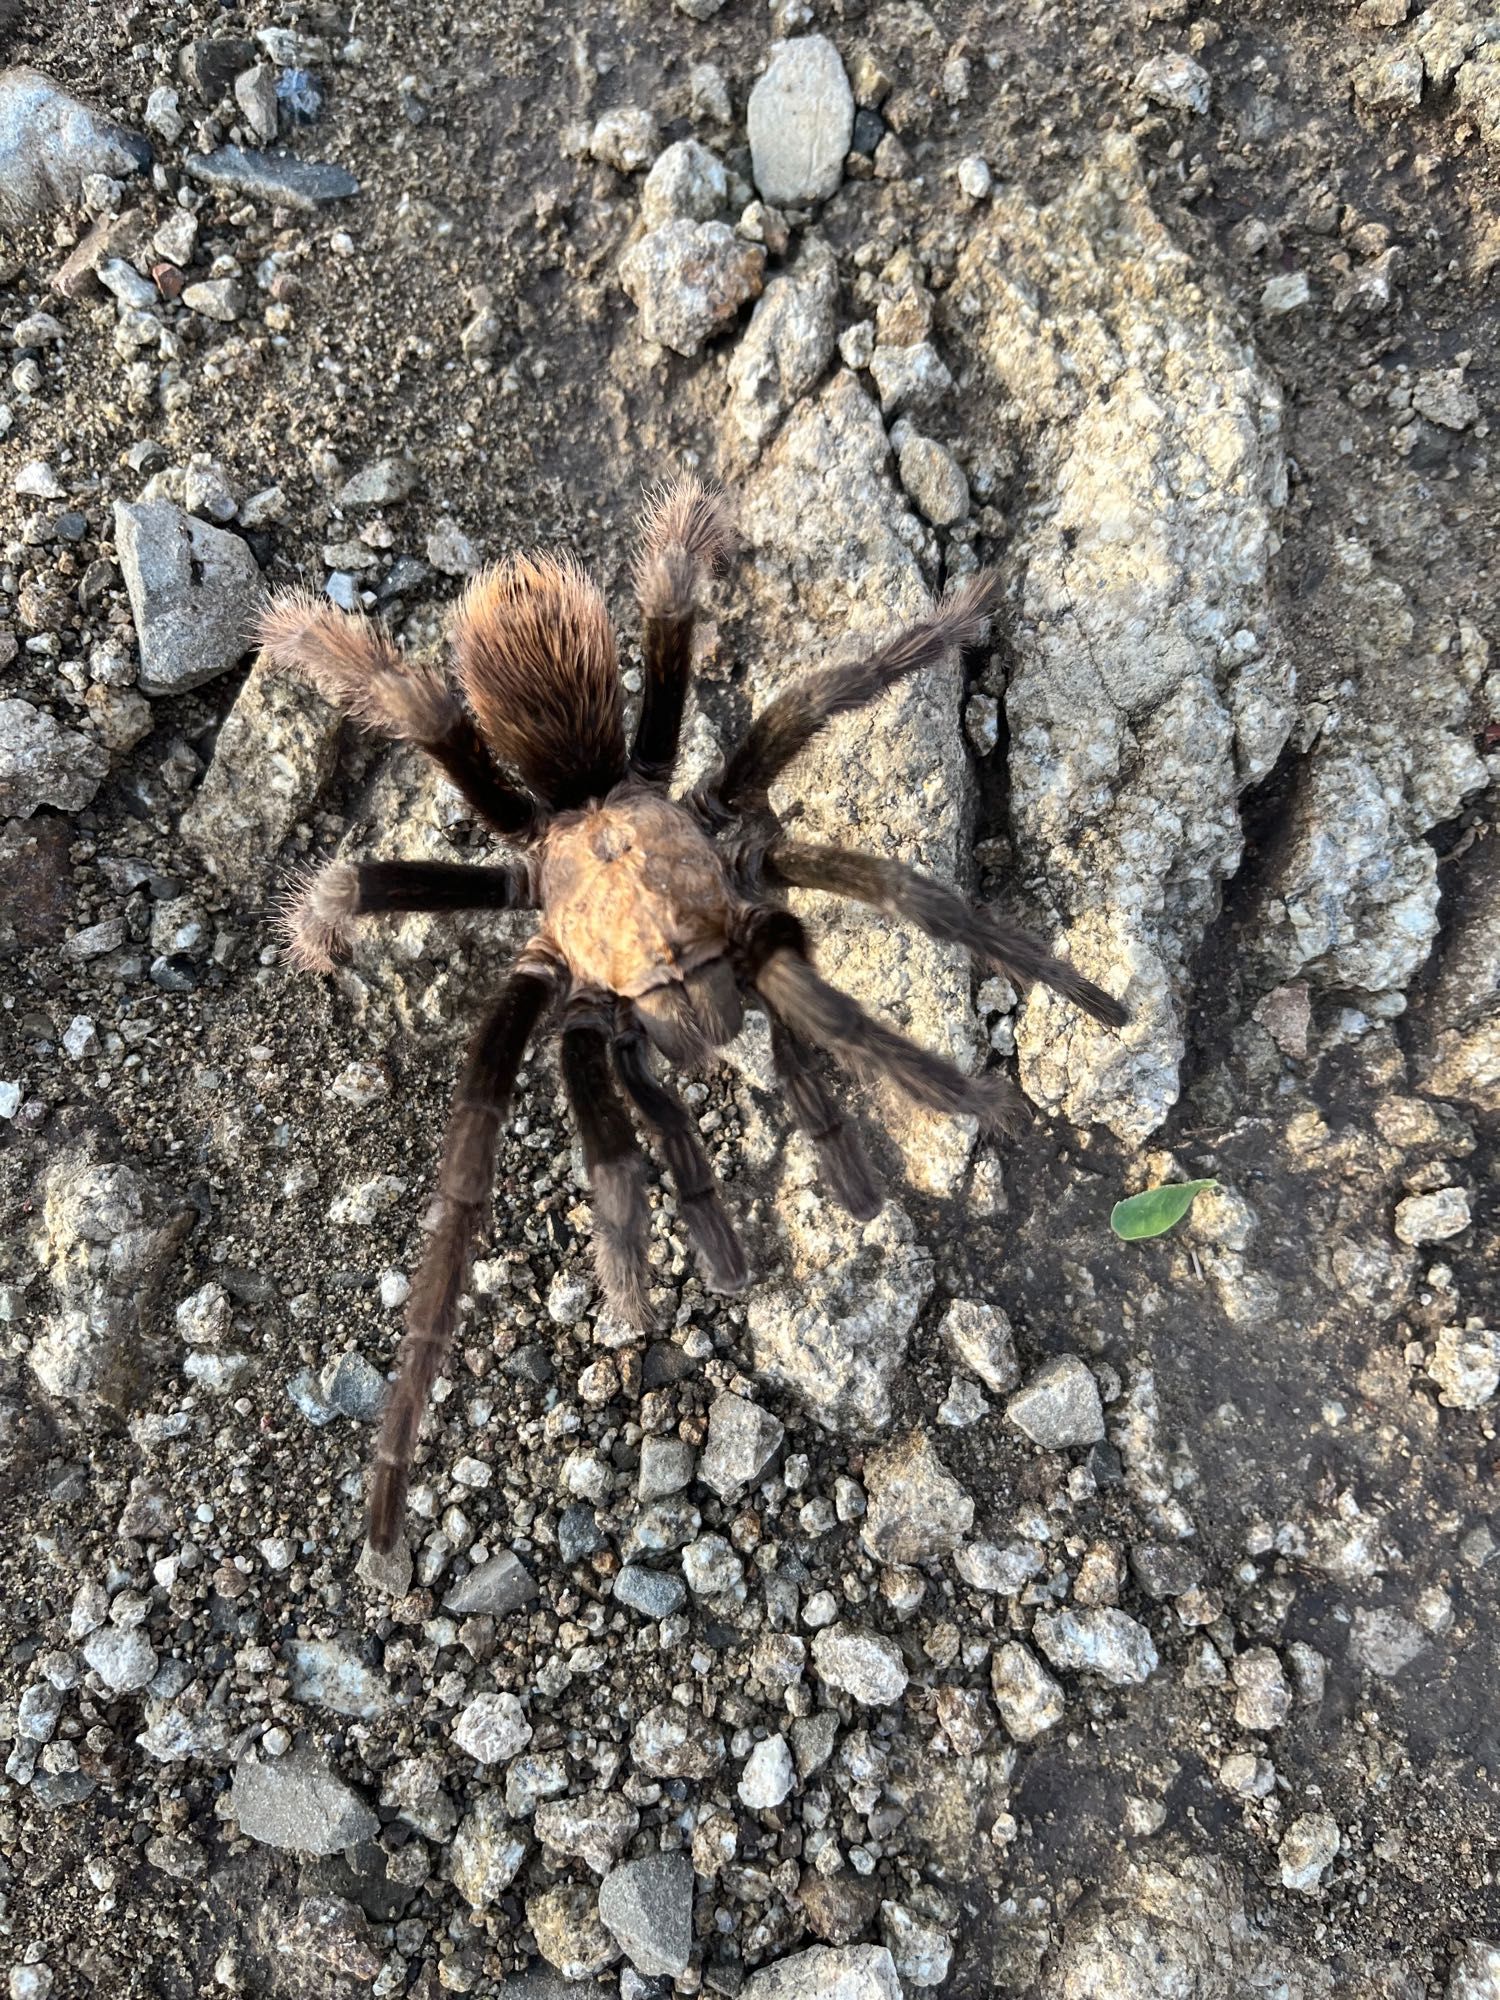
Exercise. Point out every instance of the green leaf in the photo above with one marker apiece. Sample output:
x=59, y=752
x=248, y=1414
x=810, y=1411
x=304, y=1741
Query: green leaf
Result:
x=1154, y=1210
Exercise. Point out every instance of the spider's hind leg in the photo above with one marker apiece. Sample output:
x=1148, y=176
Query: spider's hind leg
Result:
x=703, y=1212
x=845, y=1168
x=616, y=1171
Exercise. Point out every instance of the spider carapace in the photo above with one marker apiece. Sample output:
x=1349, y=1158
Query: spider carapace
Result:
x=660, y=918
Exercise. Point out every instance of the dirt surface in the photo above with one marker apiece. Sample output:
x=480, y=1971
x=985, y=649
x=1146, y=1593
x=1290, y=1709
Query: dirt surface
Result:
x=1319, y=1016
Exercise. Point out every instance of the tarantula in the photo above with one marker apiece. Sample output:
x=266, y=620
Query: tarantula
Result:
x=656, y=925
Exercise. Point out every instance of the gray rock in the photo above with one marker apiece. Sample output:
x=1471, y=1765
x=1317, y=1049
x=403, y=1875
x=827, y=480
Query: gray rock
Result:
x=648, y=1907
x=1475, y=1973
x=1466, y=1365
x=1308, y=1848
x=934, y=479
x=1107, y=1643
x=124, y=1661
x=674, y=1742
x=1384, y=1641
x=565, y=1923
x=1264, y=1697
x=1432, y=1218
x=323, y=1672
x=667, y=1465
x=487, y=1853
x=216, y=298
x=920, y=1951
x=979, y=1337
x=742, y=1441
x=689, y=279
x=499, y=1585
x=43, y=764
x=1458, y=1032
x=194, y=591
x=1176, y=82
x=595, y=1829
x=654, y=1593
x=1028, y=1698
x=916, y=1508
x=382, y=484
x=354, y=1387
x=1153, y=684
x=786, y=347
x=492, y=1728
x=1164, y=1572
x=801, y=119
x=297, y=1803
x=450, y=550
x=50, y=143
x=912, y=378
x=276, y=177
x=827, y=1972
x=861, y=1663
x=1003, y=1571
x=813, y=1738
x=535, y=1776
x=768, y=1776
x=687, y=182
x=626, y=139
x=1059, y=1408
x=711, y=1566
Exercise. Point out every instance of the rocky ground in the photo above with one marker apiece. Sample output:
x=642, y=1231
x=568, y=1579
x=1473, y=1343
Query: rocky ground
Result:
x=980, y=1604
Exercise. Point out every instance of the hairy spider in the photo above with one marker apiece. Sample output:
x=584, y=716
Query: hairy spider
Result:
x=656, y=926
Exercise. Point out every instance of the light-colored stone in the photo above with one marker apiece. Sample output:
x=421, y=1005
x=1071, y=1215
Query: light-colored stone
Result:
x=492, y=1728
x=1108, y=1643
x=768, y=1776
x=1432, y=1218
x=689, y=279
x=916, y=1508
x=786, y=347
x=979, y=1337
x=487, y=1853
x=800, y=118
x=51, y=143
x=1059, y=1408
x=1308, y=1848
x=686, y=181
x=827, y=1972
x=297, y=1803
x=43, y=764
x=194, y=591
x=861, y=1663
x=1030, y=1701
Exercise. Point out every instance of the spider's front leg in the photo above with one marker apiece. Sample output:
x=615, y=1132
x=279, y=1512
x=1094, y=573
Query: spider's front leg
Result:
x=468, y=1165
x=318, y=916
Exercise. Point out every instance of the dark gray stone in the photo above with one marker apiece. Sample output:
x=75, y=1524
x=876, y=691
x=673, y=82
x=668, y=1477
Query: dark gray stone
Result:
x=275, y=177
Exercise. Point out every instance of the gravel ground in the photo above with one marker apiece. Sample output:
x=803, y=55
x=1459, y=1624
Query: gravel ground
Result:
x=981, y=1604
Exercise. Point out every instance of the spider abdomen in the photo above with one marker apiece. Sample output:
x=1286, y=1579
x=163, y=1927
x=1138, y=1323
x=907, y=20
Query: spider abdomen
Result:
x=635, y=897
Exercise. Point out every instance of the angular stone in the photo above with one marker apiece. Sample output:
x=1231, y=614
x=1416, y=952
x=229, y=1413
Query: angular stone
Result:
x=742, y=1441
x=689, y=279
x=1107, y=1643
x=274, y=754
x=277, y=177
x=674, y=1742
x=565, y=1923
x=492, y=1728
x=595, y=1829
x=768, y=1776
x=1308, y=1847
x=1030, y=1701
x=51, y=143
x=499, y=1585
x=654, y=1593
x=322, y=1672
x=43, y=764
x=194, y=591
x=648, y=1907
x=861, y=1663
x=786, y=347
x=800, y=119
x=916, y=1509
x=1059, y=1408
x=827, y=1972
x=979, y=1337
x=687, y=182
x=297, y=1803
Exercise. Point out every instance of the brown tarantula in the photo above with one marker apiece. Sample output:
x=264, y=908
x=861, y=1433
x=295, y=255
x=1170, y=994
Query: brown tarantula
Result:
x=655, y=923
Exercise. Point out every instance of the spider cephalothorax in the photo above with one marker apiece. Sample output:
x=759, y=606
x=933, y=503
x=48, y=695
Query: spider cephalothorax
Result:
x=657, y=924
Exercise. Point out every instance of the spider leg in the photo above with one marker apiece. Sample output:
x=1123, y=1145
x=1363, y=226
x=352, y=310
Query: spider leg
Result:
x=616, y=1170
x=774, y=955
x=684, y=532
x=468, y=1162
x=847, y=1171
x=904, y=892
x=703, y=1212
x=785, y=728
x=318, y=914
x=356, y=665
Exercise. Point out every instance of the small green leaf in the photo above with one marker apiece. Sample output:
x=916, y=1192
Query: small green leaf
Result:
x=1154, y=1210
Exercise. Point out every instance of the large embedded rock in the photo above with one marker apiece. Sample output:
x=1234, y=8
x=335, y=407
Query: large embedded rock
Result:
x=194, y=591
x=50, y=143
